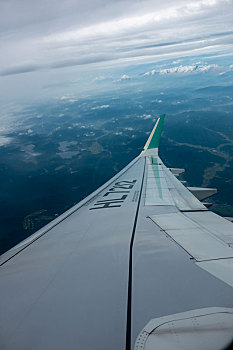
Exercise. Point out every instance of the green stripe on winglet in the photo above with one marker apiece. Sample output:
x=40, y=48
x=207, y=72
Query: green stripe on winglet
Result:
x=154, y=143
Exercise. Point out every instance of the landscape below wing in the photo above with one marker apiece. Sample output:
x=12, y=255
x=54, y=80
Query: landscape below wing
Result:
x=140, y=248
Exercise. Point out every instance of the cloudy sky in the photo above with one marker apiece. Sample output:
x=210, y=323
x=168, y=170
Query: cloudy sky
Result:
x=49, y=35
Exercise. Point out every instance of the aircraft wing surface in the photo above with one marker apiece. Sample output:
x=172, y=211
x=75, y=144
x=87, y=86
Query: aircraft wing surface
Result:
x=140, y=263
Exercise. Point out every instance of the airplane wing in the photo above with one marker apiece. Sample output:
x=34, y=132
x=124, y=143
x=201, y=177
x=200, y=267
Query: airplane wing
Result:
x=139, y=264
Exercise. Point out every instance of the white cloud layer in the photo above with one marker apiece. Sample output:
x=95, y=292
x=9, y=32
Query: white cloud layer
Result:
x=62, y=33
x=195, y=68
x=100, y=107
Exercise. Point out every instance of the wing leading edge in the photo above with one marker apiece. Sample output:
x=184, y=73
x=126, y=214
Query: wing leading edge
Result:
x=140, y=248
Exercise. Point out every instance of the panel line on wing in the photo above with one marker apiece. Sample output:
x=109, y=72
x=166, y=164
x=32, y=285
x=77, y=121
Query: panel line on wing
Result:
x=129, y=302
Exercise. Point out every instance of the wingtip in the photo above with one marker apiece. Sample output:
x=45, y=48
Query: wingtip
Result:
x=154, y=138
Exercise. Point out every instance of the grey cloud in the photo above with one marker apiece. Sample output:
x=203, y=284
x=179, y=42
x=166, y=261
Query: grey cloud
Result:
x=25, y=68
x=204, y=37
x=57, y=64
x=54, y=15
x=81, y=61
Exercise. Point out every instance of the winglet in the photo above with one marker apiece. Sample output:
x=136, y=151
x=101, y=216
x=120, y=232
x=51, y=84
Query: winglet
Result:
x=154, y=138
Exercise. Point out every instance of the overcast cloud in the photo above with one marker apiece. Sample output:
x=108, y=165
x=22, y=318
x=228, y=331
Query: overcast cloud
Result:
x=45, y=34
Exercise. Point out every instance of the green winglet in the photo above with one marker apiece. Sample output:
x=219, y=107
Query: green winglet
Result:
x=153, y=141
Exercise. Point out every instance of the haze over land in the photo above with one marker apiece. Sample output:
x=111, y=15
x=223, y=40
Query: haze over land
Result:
x=81, y=86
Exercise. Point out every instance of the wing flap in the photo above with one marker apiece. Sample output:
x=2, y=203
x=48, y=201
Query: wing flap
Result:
x=222, y=269
x=200, y=243
x=218, y=226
